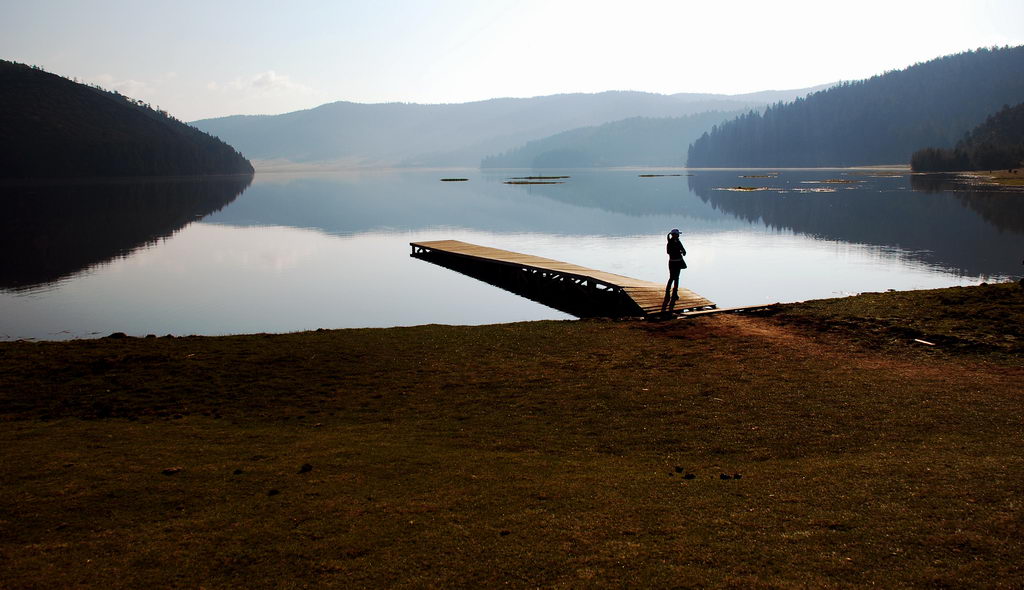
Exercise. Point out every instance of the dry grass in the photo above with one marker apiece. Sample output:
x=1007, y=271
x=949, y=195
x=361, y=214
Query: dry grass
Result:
x=986, y=320
x=536, y=454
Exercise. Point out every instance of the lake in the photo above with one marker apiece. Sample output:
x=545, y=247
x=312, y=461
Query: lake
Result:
x=290, y=252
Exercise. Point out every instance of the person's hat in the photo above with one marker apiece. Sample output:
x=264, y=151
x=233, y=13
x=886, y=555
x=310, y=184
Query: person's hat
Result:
x=675, y=231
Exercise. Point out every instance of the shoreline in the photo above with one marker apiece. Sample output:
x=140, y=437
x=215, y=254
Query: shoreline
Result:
x=119, y=334
x=1012, y=178
x=286, y=167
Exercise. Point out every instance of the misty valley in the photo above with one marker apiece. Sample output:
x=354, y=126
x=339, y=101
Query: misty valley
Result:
x=289, y=252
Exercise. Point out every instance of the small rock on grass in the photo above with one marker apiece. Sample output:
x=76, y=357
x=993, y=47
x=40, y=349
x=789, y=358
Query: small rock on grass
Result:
x=172, y=470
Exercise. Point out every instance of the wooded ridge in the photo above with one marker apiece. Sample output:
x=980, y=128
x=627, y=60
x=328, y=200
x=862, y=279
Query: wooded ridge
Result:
x=56, y=128
x=881, y=120
x=996, y=144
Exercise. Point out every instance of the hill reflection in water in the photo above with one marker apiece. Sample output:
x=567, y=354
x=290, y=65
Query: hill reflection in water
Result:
x=971, y=233
x=301, y=251
x=49, y=232
x=922, y=219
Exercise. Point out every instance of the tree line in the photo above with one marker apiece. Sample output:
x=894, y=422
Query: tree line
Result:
x=56, y=128
x=996, y=144
x=881, y=120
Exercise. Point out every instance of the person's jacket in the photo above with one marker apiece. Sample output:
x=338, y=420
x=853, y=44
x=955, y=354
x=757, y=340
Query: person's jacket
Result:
x=675, y=250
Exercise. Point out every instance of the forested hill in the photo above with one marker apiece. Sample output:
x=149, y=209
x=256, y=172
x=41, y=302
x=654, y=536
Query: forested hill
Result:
x=881, y=120
x=638, y=141
x=55, y=128
x=996, y=144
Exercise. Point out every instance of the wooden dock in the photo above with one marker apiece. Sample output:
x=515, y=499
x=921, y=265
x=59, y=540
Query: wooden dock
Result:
x=580, y=291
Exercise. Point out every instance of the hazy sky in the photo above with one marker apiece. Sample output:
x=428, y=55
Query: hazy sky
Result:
x=209, y=58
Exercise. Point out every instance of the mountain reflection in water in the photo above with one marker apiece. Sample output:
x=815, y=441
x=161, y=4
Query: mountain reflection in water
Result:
x=926, y=219
x=302, y=251
x=931, y=224
x=49, y=232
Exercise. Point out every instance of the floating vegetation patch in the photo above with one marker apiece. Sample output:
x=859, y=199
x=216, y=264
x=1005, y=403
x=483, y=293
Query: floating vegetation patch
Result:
x=831, y=181
x=769, y=175
x=538, y=177
x=454, y=179
x=820, y=189
x=746, y=189
x=659, y=175
x=534, y=182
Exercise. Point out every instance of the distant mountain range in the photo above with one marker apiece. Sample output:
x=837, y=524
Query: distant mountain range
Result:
x=881, y=120
x=55, y=128
x=402, y=134
x=639, y=141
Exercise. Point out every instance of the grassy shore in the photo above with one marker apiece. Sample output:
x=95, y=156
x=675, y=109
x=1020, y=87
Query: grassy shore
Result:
x=1007, y=178
x=821, y=446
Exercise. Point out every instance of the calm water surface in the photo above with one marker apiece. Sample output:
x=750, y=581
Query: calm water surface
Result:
x=299, y=252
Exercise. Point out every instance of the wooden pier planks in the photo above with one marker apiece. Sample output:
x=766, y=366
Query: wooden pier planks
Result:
x=649, y=297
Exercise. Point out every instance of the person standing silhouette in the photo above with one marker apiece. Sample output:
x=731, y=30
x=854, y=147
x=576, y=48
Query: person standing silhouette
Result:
x=676, y=251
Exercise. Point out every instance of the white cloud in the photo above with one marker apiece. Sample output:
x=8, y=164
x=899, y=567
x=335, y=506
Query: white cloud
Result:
x=267, y=92
x=132, y=88
x=268, y=82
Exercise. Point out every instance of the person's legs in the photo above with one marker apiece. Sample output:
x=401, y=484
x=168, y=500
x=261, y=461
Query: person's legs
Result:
x=673, y=279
